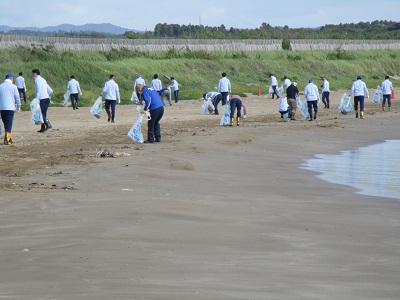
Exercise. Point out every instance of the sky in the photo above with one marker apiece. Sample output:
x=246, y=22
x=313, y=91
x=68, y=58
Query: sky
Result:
x=143, y=15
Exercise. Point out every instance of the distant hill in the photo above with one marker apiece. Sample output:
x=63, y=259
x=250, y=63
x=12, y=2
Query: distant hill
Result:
x=103, y=28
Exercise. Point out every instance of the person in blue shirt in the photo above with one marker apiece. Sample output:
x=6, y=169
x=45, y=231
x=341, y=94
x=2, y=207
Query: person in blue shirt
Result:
x=153, y=104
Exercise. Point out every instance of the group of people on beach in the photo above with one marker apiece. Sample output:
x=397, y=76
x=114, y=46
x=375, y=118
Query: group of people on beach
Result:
x=288, y=105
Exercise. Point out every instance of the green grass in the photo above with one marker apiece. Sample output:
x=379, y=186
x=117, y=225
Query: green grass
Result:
x=196, y=71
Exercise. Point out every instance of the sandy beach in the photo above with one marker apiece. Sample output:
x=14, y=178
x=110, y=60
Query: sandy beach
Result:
x=211, y=212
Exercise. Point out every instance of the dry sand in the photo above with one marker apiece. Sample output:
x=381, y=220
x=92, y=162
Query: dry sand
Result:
x=211, y=212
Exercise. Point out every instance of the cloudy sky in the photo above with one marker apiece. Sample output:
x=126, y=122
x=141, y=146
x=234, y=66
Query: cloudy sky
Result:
x=143, y=15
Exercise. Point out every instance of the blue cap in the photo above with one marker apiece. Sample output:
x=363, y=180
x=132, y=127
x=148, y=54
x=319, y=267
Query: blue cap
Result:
x=9, y=75
x=310, y=80
x=140, y=75
x=323, y=76
x=359, y=77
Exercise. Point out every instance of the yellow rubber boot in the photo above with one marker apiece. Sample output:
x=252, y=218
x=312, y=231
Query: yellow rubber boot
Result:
x=361, y=115
x=238, y=121
x=10, y=140
x=232, y=121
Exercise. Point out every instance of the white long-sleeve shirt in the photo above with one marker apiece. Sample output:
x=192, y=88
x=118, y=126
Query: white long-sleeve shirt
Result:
x=111, y=91
x=325, y=86
x=286, y=83
x=20, y=82
x=311, y=92
x=212, y=95
x=224, y=85
x=9, y=96
x=387, y=87
x=273, y=81
x=73, y=86
x=359, y=88
x=174, y=85
x=156, y=84
x=43, y=90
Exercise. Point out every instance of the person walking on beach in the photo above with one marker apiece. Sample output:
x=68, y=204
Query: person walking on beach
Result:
x=175, y=88
x=312, y=97
x=20, y=83
x=138, y=80
x=215, y=99
x=155, y=106
x=9, y=101
x=359, y=90
x=274, y=85
x=111, y=92
x=291, y=93
x=74, y=90
x=387, y=88
x=43, y=92
x=224, y=87
x=325, y=91
x=236, y=103
x=286, y=82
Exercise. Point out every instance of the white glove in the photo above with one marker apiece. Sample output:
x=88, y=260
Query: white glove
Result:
x=119, y=101
x=80, y=93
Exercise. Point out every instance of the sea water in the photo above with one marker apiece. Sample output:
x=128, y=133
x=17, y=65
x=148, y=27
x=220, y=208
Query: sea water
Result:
x=373, y=170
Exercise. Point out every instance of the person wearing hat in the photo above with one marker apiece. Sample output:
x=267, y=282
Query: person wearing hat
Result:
x=43, y=92
x=311, y=94
x=359, y=90
x=325, y=91
x=291, y=93
x=153, y=104
x=387, y=88
x=20, y=83
x=9, y=100
x=138, y=80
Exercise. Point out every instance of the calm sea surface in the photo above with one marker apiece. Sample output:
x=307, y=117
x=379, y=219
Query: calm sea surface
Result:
x=373, y=170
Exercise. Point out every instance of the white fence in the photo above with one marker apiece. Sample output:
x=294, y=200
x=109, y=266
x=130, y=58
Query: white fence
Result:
x=343, y=44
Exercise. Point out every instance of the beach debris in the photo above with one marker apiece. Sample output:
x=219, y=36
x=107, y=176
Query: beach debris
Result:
x=107, y=153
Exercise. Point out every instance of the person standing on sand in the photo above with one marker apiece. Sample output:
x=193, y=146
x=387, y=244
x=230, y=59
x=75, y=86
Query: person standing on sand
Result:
x=274, y=85
x=43, y=92
x=359, y=89
x=237, y=103
x=224, y=87
x=312, y=97
x=175, y=88
x=111, y=92
x=20, y=83
x=286, y=82
x=155, y=106
x=291, y=93
x=9, y=100
x=74, y=91
x=325, y=91
x=387, y=88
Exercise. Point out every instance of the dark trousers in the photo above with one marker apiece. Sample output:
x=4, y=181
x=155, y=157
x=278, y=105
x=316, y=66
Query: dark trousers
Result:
x=224, y=97
x=359, y=100
x=274, y=91
x=216, y=100
x=154, y=128
x=236, y=104
x=74, y=100
x=7, y=116
x=22, y=93
x=389, y=100
x=176, y=94
x=44, y=106
x=325, y=99
x=311, y=105
x=111, y=104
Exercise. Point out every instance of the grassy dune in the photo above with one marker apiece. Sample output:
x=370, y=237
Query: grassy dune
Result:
x=196, y=71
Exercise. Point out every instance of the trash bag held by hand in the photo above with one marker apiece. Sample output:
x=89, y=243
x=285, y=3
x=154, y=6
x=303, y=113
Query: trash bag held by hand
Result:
x=226, y=116
x=345, y=106
x=270, y=90
x=66, y=98
x=97, y=108
x=208, y=107
x=135, y=133
x=378, y=95
x=302, y=106
x=37, y=116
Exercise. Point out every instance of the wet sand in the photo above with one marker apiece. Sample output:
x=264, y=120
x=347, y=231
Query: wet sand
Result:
x=211, y=212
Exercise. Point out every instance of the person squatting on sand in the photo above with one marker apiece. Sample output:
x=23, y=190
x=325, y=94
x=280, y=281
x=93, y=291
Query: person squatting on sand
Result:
x=237, y=103
x=359, y=89
x=9, y=101
x=387, y=88
x=43, y=92
x=74, y=91
x=155, y=106
x=312, y=97
x=215, y=99
x=111, y=92
x=291, y=93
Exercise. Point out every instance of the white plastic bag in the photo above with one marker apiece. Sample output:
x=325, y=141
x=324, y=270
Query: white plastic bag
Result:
x=345, y=106
x=97, y=108
x=208, y=106
x=135, y=133
x=66, y=97
x=280, y=90
x=226, y=116
x=37, y=116
x=303, y=107
x=134, y=98
x=378, y=95
x=270, y=90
